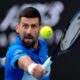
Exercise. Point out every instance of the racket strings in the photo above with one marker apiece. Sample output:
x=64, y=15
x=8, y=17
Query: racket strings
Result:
x=76, y=35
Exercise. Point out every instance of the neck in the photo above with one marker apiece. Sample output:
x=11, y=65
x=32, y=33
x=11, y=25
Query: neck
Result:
x=36, y=45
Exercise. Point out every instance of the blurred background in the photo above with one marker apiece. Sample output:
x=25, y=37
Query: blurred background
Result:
x=57, y=14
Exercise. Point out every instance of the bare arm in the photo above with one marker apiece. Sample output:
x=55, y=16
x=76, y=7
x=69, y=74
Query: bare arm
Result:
x=25, y=61
x=3, y=61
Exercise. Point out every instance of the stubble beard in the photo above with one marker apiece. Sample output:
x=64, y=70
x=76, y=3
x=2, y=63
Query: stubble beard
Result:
x=29, y=44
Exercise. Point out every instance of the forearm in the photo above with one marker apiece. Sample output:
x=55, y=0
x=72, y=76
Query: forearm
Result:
x=2, y=62
x=24, y=62
x=31, y=67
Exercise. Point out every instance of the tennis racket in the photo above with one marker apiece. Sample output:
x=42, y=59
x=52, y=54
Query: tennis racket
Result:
x=66, y=43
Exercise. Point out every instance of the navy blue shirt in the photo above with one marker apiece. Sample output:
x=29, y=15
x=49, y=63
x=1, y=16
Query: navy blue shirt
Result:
x=17, y=50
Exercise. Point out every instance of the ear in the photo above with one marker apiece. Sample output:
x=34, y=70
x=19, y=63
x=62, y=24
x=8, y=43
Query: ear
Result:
x=17, y=27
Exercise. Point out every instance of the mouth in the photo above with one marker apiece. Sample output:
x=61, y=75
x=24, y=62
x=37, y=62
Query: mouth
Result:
x=28, y=39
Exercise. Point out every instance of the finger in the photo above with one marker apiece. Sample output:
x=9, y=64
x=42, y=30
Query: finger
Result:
x=45, y=72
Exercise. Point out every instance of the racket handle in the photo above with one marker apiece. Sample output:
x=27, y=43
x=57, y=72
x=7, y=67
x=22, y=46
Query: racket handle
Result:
x=47, y=63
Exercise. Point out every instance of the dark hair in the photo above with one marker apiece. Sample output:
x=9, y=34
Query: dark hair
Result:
x=30, y=12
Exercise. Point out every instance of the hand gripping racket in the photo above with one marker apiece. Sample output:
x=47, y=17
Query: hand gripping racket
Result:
x=66, y=43
x=70, y=38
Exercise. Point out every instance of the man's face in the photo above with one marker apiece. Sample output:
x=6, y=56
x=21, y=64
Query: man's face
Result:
x=28, y=30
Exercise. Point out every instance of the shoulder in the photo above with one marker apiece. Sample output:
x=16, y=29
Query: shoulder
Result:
x=43, y=45
x=42, y=41
x=15, y=49
x=17, y=44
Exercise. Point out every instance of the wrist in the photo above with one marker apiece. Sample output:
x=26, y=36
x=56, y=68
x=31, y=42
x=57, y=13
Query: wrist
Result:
x=31, y=67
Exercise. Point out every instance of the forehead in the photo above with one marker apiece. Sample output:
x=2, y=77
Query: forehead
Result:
x=29, y=20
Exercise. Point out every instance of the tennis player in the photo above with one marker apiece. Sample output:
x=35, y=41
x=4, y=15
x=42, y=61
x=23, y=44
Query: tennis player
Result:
x=28, y=52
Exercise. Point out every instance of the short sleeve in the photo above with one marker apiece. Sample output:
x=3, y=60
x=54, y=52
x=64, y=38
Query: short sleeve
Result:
x=0, y=62
x=15, y=53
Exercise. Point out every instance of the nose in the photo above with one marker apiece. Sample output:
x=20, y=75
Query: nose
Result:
x=29, y=30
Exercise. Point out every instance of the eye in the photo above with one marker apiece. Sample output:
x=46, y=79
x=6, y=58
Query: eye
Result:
x=34, y=25
x=25, y=26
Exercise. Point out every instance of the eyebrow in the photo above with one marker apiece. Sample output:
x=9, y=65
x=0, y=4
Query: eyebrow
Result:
x=29, y=24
